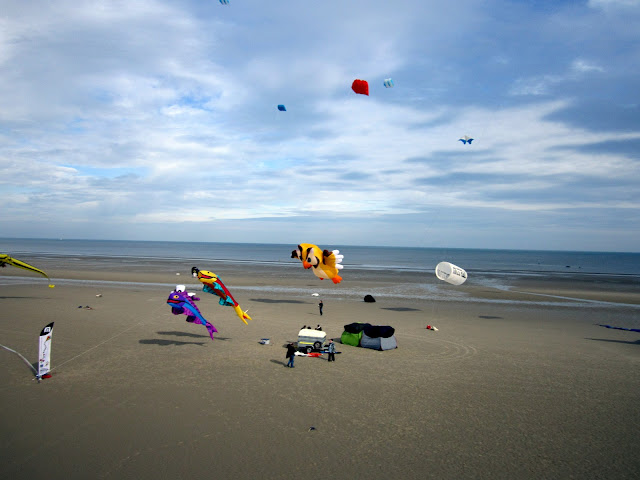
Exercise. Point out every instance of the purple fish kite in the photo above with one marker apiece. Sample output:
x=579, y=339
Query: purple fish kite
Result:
x=184, y=304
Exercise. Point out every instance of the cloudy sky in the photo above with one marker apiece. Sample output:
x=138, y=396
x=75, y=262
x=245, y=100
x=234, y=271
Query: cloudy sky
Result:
x=158, y=120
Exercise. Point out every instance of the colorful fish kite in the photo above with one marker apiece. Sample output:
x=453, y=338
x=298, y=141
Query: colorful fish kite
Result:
x=182, y=303
x=466, y=139
x=360, y=86
x=213, y=284
x=7, y=260
x=325, y=264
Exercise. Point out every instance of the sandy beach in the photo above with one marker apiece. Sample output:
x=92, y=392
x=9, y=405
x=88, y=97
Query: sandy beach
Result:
x=516, y=383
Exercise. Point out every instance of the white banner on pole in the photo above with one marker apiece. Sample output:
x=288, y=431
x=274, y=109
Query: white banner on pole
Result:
x=44, y=350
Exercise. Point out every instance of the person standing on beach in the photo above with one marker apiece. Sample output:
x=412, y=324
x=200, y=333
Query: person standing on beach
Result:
x=320, y=305
x=332, y=351
x=291, y=354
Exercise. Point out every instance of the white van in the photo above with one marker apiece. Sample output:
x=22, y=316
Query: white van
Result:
x=309, y=340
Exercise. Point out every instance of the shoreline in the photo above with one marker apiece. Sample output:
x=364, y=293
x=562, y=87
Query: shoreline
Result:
x=571, y=290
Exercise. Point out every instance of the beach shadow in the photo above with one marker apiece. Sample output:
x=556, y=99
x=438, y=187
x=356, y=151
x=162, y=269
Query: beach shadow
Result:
x=636, y=342
x=271, y=300
x=489, y=317
x=183, y=334
x=400, y=309
x=278, y=362
x=30, y=298
x=166, y=343
x=192, y=335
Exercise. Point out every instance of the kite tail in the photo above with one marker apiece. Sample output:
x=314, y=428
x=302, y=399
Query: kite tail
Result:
x=333, y=261
x=211, y=329
x=243, y=315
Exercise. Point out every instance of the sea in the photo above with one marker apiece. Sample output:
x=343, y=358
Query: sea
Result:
x=505, y=262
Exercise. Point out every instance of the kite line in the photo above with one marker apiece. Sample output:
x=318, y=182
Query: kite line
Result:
x=22, y=357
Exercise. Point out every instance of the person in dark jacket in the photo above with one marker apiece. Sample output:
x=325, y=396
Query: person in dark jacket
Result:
x=320, y=305
x=291, y=354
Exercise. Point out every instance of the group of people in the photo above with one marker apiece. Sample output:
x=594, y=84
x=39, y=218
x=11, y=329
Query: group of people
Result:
x=318, y=327
x=331, y=348
x=291, y=352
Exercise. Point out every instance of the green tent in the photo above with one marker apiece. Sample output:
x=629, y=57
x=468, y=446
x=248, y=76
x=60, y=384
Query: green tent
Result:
x=353, y=333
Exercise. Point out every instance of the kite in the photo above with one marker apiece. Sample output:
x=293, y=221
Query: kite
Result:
x=451, y=273
x=183, y=303
x=466, y=139
x=388, y=83
x=325, y=263
x=213, y=284
x=7, y=260
x=224, y=2
x=282, y=108
x=360, y=86
x=620, y=328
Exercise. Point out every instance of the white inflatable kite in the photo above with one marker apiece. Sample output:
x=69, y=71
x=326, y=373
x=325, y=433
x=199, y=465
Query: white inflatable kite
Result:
x=451, y=273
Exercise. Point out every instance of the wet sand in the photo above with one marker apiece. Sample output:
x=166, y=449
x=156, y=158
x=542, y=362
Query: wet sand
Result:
x=518, y=383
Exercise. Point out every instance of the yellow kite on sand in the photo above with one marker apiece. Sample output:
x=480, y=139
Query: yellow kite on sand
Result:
x=7, y=260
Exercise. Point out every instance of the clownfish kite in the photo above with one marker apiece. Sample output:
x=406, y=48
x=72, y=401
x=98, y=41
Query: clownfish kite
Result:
x=324, y=263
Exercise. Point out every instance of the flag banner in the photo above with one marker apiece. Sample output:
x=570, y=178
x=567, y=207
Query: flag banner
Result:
x=44, y=350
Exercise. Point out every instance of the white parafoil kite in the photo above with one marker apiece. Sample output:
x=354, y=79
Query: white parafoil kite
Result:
x=451, y=273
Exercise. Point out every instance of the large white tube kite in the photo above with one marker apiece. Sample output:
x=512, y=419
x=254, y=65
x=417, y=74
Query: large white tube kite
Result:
x=451, y=273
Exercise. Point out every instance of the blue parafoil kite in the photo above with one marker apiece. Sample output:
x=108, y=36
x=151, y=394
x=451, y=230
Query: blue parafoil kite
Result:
x=282, y=108
x=388, y=83
x=224, y=2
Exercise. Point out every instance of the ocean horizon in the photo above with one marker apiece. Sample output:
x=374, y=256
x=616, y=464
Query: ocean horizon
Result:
x=418, y=259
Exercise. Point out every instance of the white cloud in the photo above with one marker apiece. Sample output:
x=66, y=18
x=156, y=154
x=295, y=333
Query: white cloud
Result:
x=584, y=66
x=536, y=86
x=540, y=85
x=612, y=4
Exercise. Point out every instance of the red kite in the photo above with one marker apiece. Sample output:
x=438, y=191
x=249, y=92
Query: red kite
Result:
x=360, y=86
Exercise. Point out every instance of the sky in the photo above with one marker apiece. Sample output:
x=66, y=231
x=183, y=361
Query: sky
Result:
x=158, y=120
